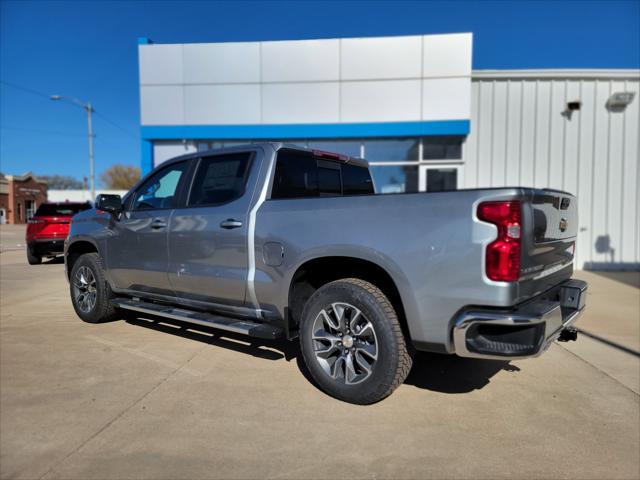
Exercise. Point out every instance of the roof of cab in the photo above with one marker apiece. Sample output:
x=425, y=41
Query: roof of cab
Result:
x=276, y=146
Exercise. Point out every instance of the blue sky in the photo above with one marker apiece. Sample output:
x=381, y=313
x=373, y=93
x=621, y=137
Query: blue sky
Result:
x=89, y=50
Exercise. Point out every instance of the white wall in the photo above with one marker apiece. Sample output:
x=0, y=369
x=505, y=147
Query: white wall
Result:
x=520, y=137
x=78, y=195
x=382, y=79
x=164, y=150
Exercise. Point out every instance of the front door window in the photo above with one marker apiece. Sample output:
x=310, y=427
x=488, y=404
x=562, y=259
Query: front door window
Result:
x=159, y=191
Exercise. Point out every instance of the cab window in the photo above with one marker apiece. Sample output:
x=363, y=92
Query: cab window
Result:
x=160, y=190
x=220, y=179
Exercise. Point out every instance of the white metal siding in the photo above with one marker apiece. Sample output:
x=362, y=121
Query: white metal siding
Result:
x=520, y=137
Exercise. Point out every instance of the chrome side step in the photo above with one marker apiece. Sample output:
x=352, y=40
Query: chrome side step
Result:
x=243, y=327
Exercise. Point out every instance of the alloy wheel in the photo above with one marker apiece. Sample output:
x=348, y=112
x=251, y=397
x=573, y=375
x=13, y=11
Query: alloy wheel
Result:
x=345, y=343
x=84, y=289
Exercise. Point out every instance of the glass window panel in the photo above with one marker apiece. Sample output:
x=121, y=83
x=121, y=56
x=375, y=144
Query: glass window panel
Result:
x=400, y=179
x=442, y=147
x=442, y=179
x=62, y=209
x=159, y=190
x=344, y=147
x=296, y=175
x=234, y=143
x=204, y=145
x=356, y=180
x=329, y=183
x=220, y=179
x=391, y=150
x=297, y=143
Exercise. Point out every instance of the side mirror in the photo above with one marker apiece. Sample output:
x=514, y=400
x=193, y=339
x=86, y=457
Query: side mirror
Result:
x=109, y=203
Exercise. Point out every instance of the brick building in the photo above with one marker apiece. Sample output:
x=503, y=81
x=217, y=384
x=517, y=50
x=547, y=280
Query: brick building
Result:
x=20, y=196
x=4, y=199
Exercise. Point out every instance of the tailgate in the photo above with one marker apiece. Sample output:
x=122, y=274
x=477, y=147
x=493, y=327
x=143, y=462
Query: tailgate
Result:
x=550, y=221
x=47, y=227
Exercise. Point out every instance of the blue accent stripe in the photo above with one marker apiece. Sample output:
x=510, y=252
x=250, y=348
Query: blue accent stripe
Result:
x=321, y=130
x=146, y=157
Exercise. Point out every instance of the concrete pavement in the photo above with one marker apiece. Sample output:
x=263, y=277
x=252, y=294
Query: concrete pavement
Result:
x=12, y=237
x=148, y=399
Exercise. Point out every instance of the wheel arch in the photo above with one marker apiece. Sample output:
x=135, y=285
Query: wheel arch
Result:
x=315, y=272
x=76, y=249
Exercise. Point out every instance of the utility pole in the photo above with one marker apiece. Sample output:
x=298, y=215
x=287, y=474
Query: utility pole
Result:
x=92, y=179
x=89, y=109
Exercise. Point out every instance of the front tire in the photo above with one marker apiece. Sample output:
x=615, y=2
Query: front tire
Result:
x=352, y=342
x=90, y=292
x=32, y=258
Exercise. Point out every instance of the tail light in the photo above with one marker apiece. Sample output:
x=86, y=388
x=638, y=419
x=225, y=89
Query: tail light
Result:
x=503, y=254
x=34, y=221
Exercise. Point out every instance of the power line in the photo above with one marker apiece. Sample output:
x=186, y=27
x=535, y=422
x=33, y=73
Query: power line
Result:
x=123, y=129
x=97, y=113
x=49, y=132
x=25, y=89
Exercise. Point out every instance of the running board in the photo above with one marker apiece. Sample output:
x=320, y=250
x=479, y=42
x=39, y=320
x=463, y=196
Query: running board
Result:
x=243, y=327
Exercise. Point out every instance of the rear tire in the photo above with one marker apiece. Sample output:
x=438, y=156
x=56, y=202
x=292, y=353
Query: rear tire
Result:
x=352, y=342
x=90, y=293
x=32, y=258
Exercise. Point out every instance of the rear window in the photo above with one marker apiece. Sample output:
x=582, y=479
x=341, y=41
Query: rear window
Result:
x=301, y=175
x=329, y=178
x=220, y=179
x=61, y=209
x=356, y=180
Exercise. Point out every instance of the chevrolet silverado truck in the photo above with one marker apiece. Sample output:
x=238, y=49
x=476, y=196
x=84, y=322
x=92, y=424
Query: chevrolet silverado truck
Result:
x=275, y=241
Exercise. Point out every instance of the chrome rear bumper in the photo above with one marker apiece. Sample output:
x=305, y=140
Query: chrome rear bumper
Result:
x=522, y=332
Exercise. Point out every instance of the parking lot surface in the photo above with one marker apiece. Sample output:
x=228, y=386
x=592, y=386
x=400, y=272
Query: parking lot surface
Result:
x=154, y=399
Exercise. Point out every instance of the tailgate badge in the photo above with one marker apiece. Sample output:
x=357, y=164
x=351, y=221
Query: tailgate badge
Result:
x=563, y=224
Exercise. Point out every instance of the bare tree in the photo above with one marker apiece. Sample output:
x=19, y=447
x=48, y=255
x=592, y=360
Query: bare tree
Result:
x=120, y=177
x=60, y=182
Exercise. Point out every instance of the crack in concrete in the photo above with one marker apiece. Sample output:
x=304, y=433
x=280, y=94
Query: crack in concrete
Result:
x=145, y=355
x=52, y=469
x=599, y=369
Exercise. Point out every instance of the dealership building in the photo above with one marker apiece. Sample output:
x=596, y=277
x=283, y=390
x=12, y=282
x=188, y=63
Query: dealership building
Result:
x=415, y=109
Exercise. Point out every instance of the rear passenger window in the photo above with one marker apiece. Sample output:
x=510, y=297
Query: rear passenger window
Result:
x=300, y=174
x=220, y=179
x=296, y=175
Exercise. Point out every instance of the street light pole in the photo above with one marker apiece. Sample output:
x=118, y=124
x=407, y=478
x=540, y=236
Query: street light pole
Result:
x=89, y=109
x=91, y=172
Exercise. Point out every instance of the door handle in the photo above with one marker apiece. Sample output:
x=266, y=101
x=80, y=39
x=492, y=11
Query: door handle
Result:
x=230, y=223
x=158, y=224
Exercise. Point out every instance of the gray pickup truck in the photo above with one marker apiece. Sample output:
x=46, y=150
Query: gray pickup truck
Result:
x=274, y=241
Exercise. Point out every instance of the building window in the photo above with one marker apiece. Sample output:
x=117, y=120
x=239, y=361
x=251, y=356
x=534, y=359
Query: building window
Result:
x=29, y=208
x=395, y=179
x=441, y=179
x=392, y=150
x=442, y=148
